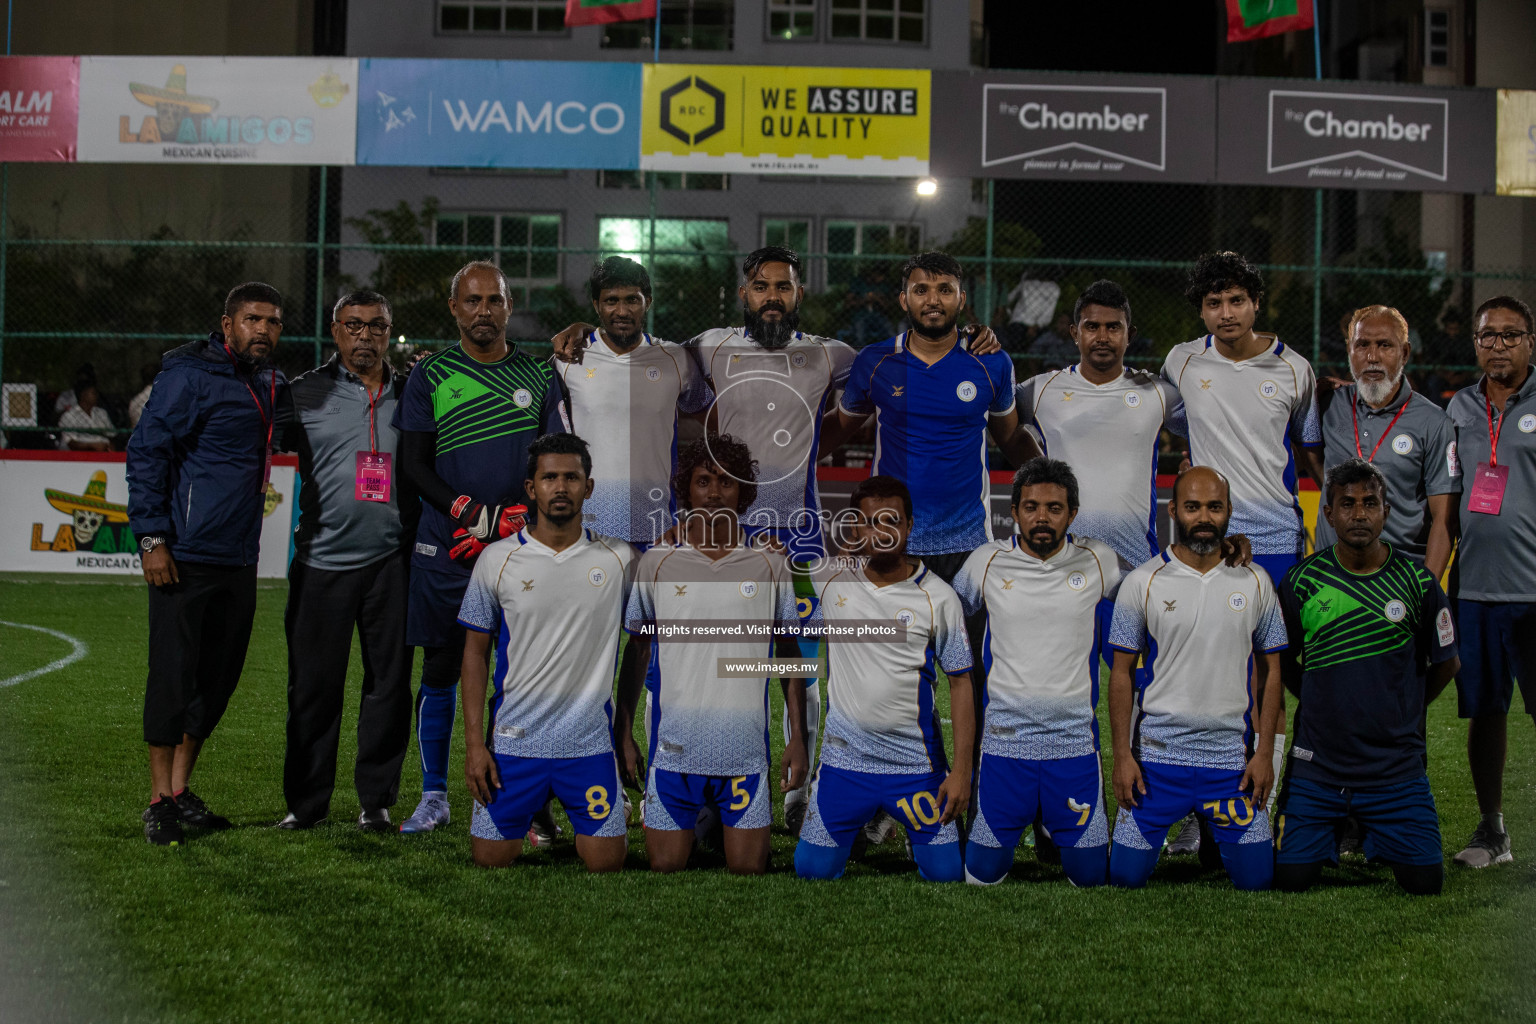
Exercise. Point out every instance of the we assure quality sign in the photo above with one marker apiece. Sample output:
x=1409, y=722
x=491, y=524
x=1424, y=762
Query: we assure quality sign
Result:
x=778, y=120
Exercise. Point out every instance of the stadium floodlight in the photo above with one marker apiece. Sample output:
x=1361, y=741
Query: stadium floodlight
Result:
x=927, y=187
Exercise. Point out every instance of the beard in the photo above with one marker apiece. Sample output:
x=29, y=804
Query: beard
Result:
x=1203, y=543
x=1036, y=542
x=1377, y=392
x=935, y=333
x=771, y=334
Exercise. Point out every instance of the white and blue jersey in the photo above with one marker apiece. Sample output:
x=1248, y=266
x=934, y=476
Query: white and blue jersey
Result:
x=731, y=607
x=931, y=433
x=1199, y=632
x=880, y=710
x=554, y=619
x=1245, y=419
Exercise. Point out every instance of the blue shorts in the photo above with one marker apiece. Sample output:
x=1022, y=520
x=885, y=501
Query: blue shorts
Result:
x=1067, y=794
x=1276, y=565
x=1174, y=791
x=842, y=802
x=1400, y=821
x=673, y=800
x=1498, y=647
x=432, y=608
x=587, y=787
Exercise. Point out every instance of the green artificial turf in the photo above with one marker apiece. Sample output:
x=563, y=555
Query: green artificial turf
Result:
x=333, y=925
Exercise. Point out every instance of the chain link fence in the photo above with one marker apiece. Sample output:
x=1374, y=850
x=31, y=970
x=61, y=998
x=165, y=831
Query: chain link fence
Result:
x=93, y=278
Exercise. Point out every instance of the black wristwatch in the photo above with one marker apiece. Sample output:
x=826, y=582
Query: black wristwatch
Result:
x=148, y=544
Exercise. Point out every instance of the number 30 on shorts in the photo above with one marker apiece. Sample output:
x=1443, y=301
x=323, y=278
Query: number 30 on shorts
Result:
x=1238, y=812
x=597, y=802
x=921, y=809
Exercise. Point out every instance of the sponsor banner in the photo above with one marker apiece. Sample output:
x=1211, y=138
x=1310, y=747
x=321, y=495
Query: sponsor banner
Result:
x=484, y=113
x=1081, y=127
x=39, y=100
x=268, y=110
x=1360, y=135
x=772, y=120
x=68, y=514
x=1516, y=157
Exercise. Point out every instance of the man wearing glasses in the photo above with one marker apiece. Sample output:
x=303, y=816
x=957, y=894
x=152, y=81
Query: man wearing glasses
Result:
x=1493, y=582
x=351, y=552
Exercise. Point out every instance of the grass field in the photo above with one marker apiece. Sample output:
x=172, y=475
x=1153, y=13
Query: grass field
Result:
x=332, y=925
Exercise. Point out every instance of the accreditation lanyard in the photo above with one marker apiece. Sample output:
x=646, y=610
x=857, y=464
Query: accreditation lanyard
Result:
x=371, y=482
x=1490, y=479
x=1355, y=418
x=268, y=416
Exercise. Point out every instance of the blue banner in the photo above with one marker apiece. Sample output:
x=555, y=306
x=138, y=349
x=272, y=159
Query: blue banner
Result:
x=498, y=113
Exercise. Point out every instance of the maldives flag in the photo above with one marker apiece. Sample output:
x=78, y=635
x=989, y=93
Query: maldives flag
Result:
x=1250, y=19
x=601, y=12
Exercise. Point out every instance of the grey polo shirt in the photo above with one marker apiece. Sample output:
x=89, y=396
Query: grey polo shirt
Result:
x=1496, y=560
x=1417, y=456
x=327, y=425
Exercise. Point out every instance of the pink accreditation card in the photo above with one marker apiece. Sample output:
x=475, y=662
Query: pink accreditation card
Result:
x=1488, y=485
x=373, y=476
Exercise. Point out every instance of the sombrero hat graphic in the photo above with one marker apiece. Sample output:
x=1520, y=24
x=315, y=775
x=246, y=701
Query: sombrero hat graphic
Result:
x=93, y=500
x=174, y=95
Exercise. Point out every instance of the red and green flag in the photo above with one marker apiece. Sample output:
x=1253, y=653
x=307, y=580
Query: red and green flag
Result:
x=602, y=12
x=1255, y=19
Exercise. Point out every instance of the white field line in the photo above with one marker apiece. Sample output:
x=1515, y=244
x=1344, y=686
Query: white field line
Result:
x=78, y=650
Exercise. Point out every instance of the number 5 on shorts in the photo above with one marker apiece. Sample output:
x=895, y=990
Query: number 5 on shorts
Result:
x=739, y=797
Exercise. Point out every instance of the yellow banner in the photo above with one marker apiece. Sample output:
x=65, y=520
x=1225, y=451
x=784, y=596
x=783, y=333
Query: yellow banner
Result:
x=774, y=120
x=1515, y=173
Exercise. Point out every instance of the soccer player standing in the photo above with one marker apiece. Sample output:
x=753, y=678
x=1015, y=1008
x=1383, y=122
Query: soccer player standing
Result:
x=1494, y=580
x=709, y=733
x=467, y=417
x=1040, y=590
x=1374, y=644
x=1189, y=744
x=884, y=747
x=1381, y=419
x=551, y=598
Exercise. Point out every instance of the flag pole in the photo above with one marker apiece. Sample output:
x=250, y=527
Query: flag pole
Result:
x=656, y=36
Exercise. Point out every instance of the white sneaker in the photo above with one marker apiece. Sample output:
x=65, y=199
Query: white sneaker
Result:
x=796, y=801
x=1188, y=839
x=429, y=814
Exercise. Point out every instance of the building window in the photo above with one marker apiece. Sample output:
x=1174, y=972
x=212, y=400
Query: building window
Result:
x=1437, y=39
x=791, y=234
x=686, y=181
x=522, y=244
x=497, y=16
x=888, y=21
x=847, y=239
x=685, y=25
x=791, y=19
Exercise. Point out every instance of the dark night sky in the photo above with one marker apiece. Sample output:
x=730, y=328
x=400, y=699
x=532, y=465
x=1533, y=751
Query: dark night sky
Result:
x=1172, y=36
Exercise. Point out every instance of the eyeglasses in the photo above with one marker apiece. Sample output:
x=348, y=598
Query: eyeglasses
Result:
x=377, y=328
x=1496, y=339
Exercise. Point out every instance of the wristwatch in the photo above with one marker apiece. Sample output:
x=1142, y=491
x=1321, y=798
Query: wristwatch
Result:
x=148, y=544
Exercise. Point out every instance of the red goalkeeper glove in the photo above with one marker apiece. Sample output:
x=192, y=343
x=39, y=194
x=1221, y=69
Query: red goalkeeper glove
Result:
x=481, y=524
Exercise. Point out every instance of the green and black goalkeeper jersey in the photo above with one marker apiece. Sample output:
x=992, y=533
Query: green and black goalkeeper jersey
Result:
x=485, y=416
x=1365, y=644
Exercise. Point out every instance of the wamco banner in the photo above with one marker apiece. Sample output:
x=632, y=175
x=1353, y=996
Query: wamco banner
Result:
x=1363, y=135
x=484, y=113
x=1082, y=127
x=773, y=120
x=38, y=100
x=267, y=110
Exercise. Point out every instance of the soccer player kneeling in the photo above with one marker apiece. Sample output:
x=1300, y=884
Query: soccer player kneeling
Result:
x=697, y=607
x=1040, y=590
x=1376, y=645
x=1200, y=622
x=552, y=598
x=883, y=748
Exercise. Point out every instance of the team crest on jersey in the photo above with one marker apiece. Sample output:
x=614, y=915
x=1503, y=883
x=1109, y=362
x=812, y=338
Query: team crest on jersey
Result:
x=906, y=618
x=1527, y=423
x=1132, y=399
x=967, y=391
x=748, y=588
x=653, y=373
x=1444, y=628
x=1402, y=444
x=1077, y=581
x=798, y=359
x=1395, y=611
x=1269, y=389
x=1237, y=601
x=597, y=577
x=522, y=398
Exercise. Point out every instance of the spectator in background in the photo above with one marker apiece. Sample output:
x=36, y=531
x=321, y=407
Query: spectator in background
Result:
x=136, y=404
x=1033, y=303
x=85, y=374
x=85, y=414
x=869, y=307
x=1448, y=348
x=1055, y=348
